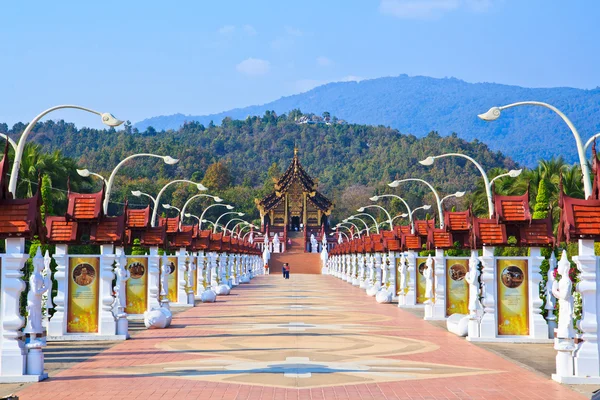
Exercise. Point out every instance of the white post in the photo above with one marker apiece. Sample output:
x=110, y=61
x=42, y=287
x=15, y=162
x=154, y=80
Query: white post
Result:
x=153, y=279
x=410, y=298
x=488, y=327
x=58, y=322
x=12, y=351
x=120, y=290
x=384, y=271
x=201, y=271
x=107, y=325
x=182, y=296
x=538, y=327
x=439, y=282
x=392, y=274
x=361, y=271
x=587, y=361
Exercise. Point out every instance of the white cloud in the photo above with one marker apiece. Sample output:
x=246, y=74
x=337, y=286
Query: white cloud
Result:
x=290, y=30
x=351, y=78
x=226, y=30
x=253, y=67
x=428, y=9
x=249, y=30
x=323, y=61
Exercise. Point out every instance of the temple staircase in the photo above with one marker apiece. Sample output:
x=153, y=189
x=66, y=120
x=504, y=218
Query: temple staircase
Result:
x=300, y=262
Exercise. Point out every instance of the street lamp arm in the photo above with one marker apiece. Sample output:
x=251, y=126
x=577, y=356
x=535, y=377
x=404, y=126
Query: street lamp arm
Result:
x=355, y=226
x=160, y=193
x=590, y=141
x=107, y=119
x=207, y=208
x=111, y=179
x=12, y=143
x=587, y=183
x=435, y=193
x=190, y=200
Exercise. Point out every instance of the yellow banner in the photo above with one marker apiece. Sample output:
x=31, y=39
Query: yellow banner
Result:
x=83, y=277
x=137, y=285
x=420, y=286
x=457, y=288
x=195, y=278
x=173, y=278
x=513, y=297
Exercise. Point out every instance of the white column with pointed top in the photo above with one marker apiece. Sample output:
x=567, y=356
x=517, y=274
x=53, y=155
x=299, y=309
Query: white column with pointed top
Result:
x=438, y=309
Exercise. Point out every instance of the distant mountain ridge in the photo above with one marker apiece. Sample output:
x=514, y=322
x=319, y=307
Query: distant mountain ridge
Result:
x=418, y=105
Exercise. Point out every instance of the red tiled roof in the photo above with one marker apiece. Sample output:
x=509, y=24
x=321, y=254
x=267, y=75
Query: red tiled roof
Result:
x=18, y=218
x=512, y=208
x=441, y=239
x=154, y=236
x=579, y=219
x=85, y=206
x=539, y=233
x=411, y=242
x=61, y=231
x=180, y=240
x=139, y=218
x=489, y=232
x=457, y=220
x=109, y=230
x=422, y=226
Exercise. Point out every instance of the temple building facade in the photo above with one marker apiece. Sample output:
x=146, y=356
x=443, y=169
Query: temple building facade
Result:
x=295, y=203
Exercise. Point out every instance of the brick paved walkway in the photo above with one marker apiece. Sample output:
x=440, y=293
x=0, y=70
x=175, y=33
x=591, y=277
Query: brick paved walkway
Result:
x=310, y=337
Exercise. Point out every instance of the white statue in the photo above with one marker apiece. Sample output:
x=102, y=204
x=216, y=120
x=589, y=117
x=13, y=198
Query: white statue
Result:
x=251, y=238
x=402, y=271
x=428, y=274
x=37, y=287
x=550, y=304
x=324, y=240
x=340, y=240
x=190, y=274
x=562, y=291
x=276, y=244
x=122, y=275
x=314, y=245
x=165, y=270
x=47, y=296
x=472, y=278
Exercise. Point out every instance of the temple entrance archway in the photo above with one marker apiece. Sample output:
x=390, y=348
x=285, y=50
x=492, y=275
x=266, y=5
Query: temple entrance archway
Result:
x=295, y=223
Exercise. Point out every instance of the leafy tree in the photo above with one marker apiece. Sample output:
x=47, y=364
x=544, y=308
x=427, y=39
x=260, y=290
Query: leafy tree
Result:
x=541, y=201
x=137, y=249
x=217, y=177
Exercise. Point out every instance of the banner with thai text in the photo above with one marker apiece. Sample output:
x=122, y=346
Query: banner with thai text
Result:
x=82, y=309
x=457, y=288
x=136, y=292
x=513, y=297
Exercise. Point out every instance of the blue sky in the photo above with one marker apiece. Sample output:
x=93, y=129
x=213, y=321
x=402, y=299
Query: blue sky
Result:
x=139, y=59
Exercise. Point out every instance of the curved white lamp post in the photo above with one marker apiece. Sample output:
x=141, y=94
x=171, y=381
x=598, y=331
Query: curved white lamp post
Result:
x=585, y=147
x=12, y=143
x=188, y=215
x=457, y=194
x=233, y=220
x=138, y=193
x=353, y=224
x=360, y=219
x=425, y=207
x=211, y=206
x=85, y=173
x=240, y=214
x=167, y=159
x=341, y=233
x=107, y=119
x=217, y=199
x=340, y=225
x=397, y=183
x=384, y=210
x=170, y=207
x=494, y=113
x=375, y=198
x=160, y=193
x=488, y=185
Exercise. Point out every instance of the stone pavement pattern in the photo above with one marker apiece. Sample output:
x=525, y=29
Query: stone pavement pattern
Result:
x=309, y=337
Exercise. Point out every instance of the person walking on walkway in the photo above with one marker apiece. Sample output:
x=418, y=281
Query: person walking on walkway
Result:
x=286, y=271
x=283, y=270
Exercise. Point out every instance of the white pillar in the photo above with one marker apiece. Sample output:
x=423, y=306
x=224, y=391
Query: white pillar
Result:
x=58, y=322
x=488, y=327
x=12, y=351
x=438, y=308
x=410, y=298
x=153, y=279
x=107, y=324
x=538, y=327
x=201, y=263
x=392, y=273
x=587, y=361
x=182, y=296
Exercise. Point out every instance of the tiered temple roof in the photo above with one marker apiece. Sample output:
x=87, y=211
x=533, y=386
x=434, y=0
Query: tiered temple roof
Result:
x=295, y=173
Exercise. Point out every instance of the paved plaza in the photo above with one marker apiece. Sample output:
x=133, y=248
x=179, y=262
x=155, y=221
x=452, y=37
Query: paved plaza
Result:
x=310, y=337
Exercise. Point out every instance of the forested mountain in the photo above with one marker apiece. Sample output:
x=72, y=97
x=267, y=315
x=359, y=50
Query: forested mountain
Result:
x=351, y=161
x=419, y=105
